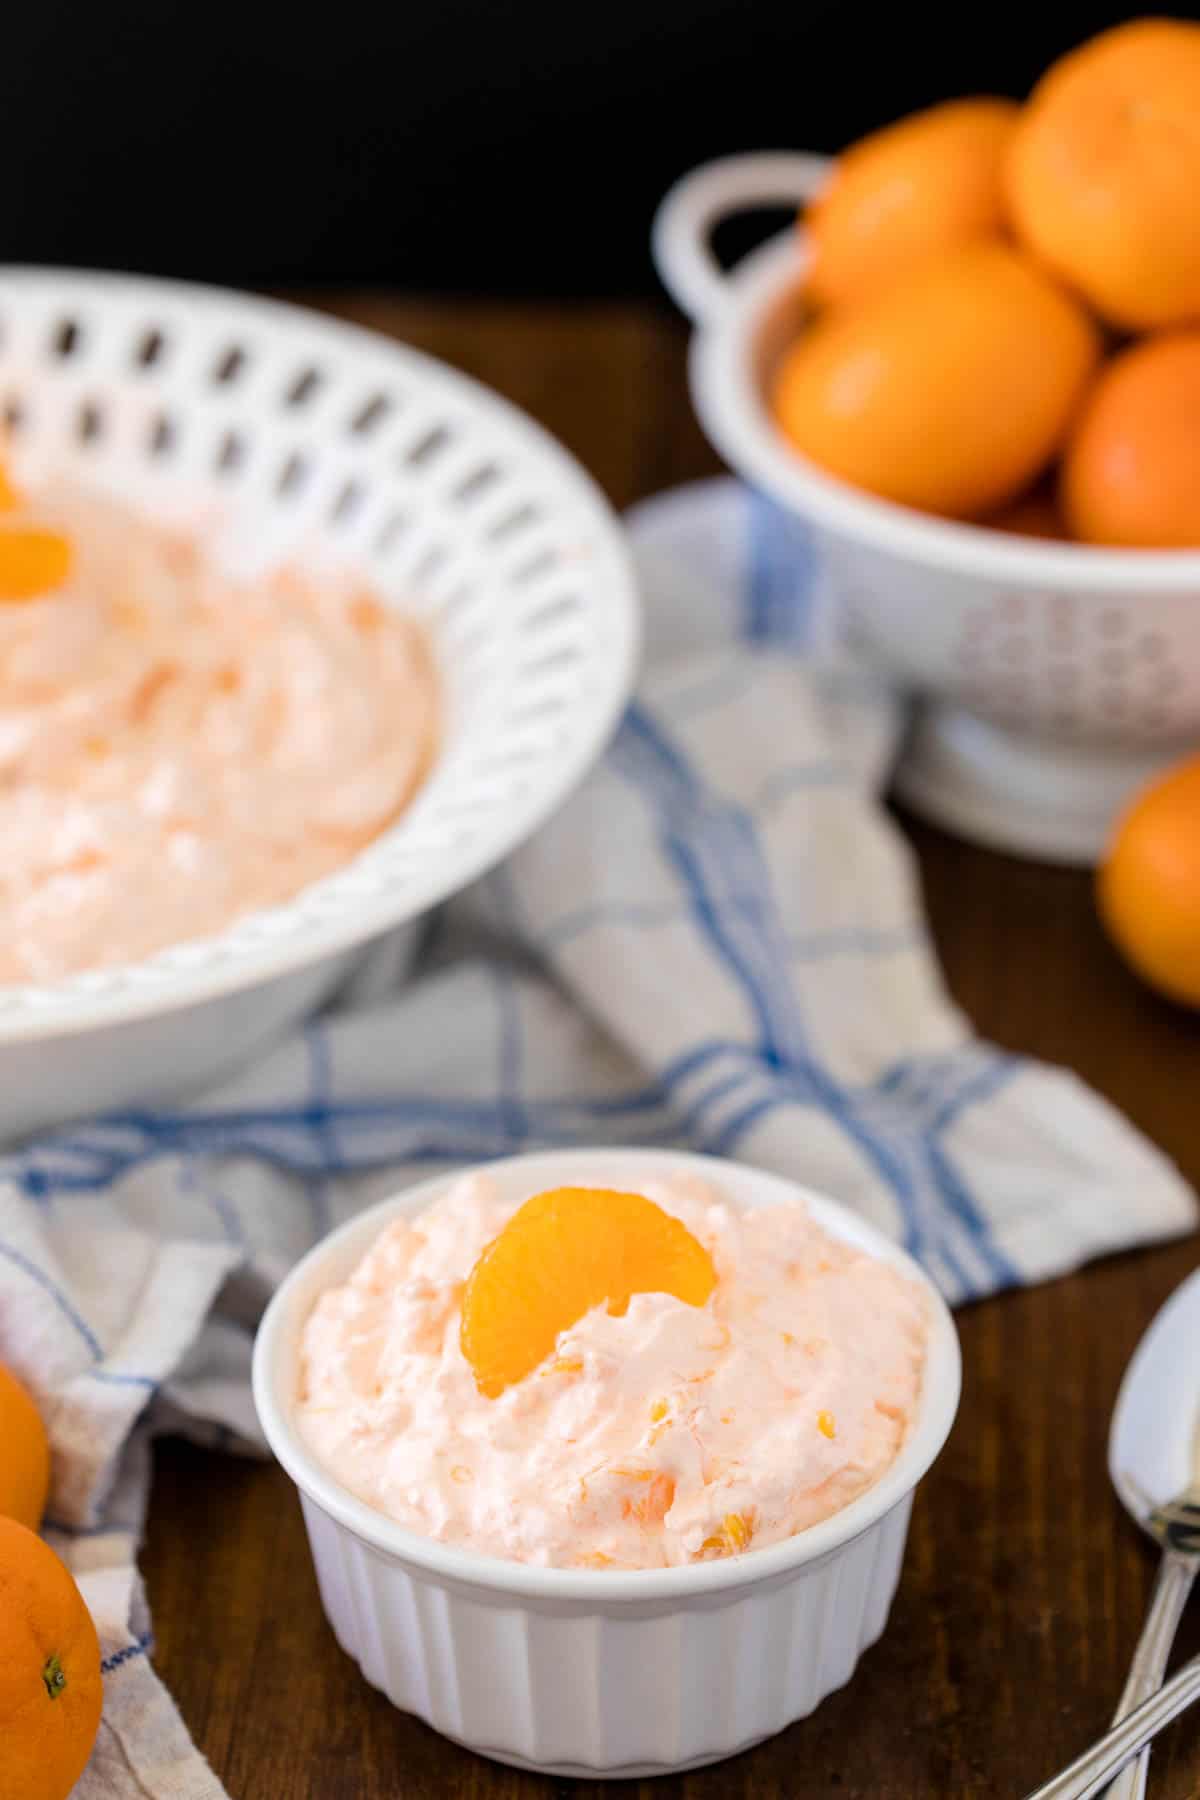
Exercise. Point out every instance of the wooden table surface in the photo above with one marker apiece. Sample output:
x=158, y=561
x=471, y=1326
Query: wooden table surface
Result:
x=1024, y=1584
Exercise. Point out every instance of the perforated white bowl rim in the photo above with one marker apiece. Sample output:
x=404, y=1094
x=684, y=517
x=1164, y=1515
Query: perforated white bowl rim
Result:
x=304, y=433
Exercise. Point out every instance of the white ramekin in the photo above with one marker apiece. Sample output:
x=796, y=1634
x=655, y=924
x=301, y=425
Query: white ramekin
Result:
x=592, y=1672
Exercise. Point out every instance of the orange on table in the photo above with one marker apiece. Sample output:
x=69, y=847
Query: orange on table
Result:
x=1149, y=885
x=951, y=392
x=925, y=184
x=50, y=1682
x=24, y=1454
x=1034, y=515
x=562, y=1253
x=1131, y=472
x=1103, y=175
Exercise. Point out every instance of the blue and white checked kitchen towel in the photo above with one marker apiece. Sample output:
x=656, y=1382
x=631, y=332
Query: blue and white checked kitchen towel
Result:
x=719, y=942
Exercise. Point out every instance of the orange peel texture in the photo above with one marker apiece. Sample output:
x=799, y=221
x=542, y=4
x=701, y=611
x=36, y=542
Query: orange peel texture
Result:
x=562, y=1253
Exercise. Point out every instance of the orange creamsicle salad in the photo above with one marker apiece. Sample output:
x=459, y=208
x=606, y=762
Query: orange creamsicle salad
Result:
x=610, y=1380
x=178, y=747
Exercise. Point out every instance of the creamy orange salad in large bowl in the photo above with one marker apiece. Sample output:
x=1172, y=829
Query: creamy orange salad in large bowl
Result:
x=181, y=746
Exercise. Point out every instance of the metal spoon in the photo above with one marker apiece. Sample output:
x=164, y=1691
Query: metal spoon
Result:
x=1091, y=1773
x=1154, y=1461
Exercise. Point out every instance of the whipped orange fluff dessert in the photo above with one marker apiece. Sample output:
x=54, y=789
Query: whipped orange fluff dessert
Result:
x=178, y=747
x=673, y=1431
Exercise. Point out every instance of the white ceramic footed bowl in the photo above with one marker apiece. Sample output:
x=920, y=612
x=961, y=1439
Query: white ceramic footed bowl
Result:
x=1055, y=679
x=598, y=1672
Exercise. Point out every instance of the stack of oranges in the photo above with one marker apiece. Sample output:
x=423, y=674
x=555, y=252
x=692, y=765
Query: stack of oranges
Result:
x=1007, y=303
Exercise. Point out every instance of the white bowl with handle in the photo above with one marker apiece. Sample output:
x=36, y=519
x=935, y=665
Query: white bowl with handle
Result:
x=1053, y=679
x=305, y=436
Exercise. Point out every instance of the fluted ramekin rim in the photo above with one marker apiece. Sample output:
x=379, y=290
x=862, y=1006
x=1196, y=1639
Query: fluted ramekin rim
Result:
x=275, y=1369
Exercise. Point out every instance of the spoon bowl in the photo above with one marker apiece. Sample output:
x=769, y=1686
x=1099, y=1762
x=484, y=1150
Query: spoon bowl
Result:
x=1154, y=1440
x=1154, y=1461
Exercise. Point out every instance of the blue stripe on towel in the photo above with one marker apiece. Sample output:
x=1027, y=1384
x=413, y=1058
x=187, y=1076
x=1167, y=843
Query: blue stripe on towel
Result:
x=142, y=1646
x=712, y=846
x=781, y=572
x=38, y=1275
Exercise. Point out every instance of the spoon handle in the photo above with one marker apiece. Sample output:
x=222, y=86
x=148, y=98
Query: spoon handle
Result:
x=1175, y=1576
x=1090, y=1773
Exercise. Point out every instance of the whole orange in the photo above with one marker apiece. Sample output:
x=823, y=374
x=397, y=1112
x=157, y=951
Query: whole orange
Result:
x=24, y=1454
x=1149, y=885
x=950, y=392
x=50, y=1683
x=1103, y=174
x=924, y=184
x=1131, y=473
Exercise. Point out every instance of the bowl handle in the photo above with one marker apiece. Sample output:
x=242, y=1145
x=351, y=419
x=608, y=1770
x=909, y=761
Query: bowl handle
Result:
x=689, y=212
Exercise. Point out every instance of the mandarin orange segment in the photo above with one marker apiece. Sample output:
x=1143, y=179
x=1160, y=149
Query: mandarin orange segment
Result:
x=656, y=1501
x=561, y=1254
x=10, y=499
x=736, y=1531
x=32, y=562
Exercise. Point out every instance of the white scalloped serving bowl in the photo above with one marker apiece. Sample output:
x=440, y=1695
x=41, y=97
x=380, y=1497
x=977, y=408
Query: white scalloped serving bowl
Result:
x=306, y=436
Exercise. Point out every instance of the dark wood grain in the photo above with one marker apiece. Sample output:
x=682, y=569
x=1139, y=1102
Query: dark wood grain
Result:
x=1024, y=1585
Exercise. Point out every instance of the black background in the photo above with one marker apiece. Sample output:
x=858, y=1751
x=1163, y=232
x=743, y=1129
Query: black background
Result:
x=454, y=145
